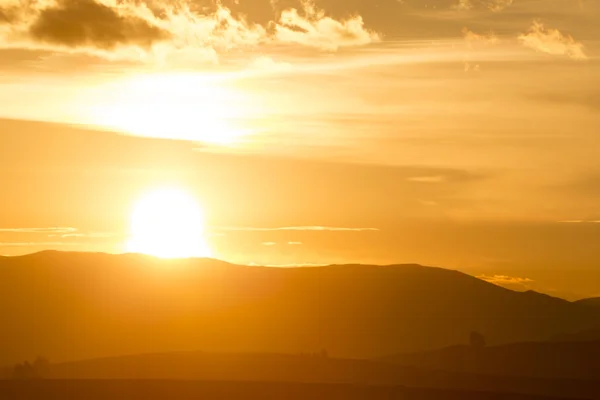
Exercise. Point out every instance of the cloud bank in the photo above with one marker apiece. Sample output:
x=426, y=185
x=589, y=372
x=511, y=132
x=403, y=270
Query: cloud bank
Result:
x=145, y=30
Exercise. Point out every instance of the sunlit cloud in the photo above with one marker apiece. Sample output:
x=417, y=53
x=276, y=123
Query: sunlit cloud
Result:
x=295, y=243
x=167, y=32
x=50, y=230
x=504, y=279
x=269, y=244
x=552, y=41
x=61, y=232
x=37, y=244
x=289, y=265
x=492, y=5
x=300, y=228
x=499, y=5
x=269, y=65
x=463, y=5
x=580, y=221
x=93, y=235
x=509, y=282
x=315, y=29
x=484, y=38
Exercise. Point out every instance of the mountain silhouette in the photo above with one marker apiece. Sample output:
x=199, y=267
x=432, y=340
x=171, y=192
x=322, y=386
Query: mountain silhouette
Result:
x=69, y=306
x=584, y=336
x=591, y=302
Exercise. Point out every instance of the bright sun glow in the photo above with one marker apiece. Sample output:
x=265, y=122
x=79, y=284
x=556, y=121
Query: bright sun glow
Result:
x=174, y=106
x=168, y=223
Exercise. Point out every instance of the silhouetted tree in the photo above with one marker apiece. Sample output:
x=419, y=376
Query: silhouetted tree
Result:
x=40, y=366
x=477, y=340
x=24, y=371
x=27, y=370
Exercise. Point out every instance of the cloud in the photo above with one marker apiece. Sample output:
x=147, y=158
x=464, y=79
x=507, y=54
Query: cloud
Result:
x=552, y=41
x=169, y=32
x=295, y=243
x=300, y=228
x=580, y=221
x=316, y=29
x=499, y=5
x=87, y=23
x=507, y=281
x=267, y=64
x=93, y=235
x=588, y=98
x=463, y=5
x=62, y=232
x=269, y=243
x=291, y=265
x=485, y=38
x=4, y=17
x=37, y=244
x=50, y=230
x=492, y=5
x=426, y=179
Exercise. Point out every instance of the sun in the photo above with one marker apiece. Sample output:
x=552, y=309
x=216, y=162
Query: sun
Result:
x=168, y=223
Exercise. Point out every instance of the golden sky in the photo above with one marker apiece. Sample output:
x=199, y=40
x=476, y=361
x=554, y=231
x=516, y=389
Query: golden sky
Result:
x=463, y=133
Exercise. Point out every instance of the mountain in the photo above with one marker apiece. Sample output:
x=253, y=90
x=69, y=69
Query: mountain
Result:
x=575, y=360
x=303, y=368
x=84, y=305
x=592, y=302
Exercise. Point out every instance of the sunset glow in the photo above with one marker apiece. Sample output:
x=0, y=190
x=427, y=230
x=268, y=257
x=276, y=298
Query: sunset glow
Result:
x=172, y=106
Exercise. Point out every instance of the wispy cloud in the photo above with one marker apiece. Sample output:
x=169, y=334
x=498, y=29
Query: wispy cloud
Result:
x=269, y=244
x=37, y=244
x=292, y=265
x=50, y=230
x=299, y=228
x=552, y=41
x=426, y=179
x=295, y=243
x=580, y=221
x=62, y=232
x=492, y=5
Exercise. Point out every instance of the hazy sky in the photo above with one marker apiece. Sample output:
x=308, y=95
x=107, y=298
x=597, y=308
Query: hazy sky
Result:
x=460, y=133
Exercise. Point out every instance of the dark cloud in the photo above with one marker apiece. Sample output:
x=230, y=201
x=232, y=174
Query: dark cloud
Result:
x=79, y=23
x=587, y=99
x=587, y=186
x=4, y=17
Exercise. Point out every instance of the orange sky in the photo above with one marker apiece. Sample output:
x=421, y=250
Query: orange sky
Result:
x=461, y=133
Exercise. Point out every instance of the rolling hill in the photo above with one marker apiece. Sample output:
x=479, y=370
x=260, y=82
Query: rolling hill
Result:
x=184, y=390
x=305, y=368
x=551, y=360
x=83, y=305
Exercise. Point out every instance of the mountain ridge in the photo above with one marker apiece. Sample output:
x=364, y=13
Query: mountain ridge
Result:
x=116, y=304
